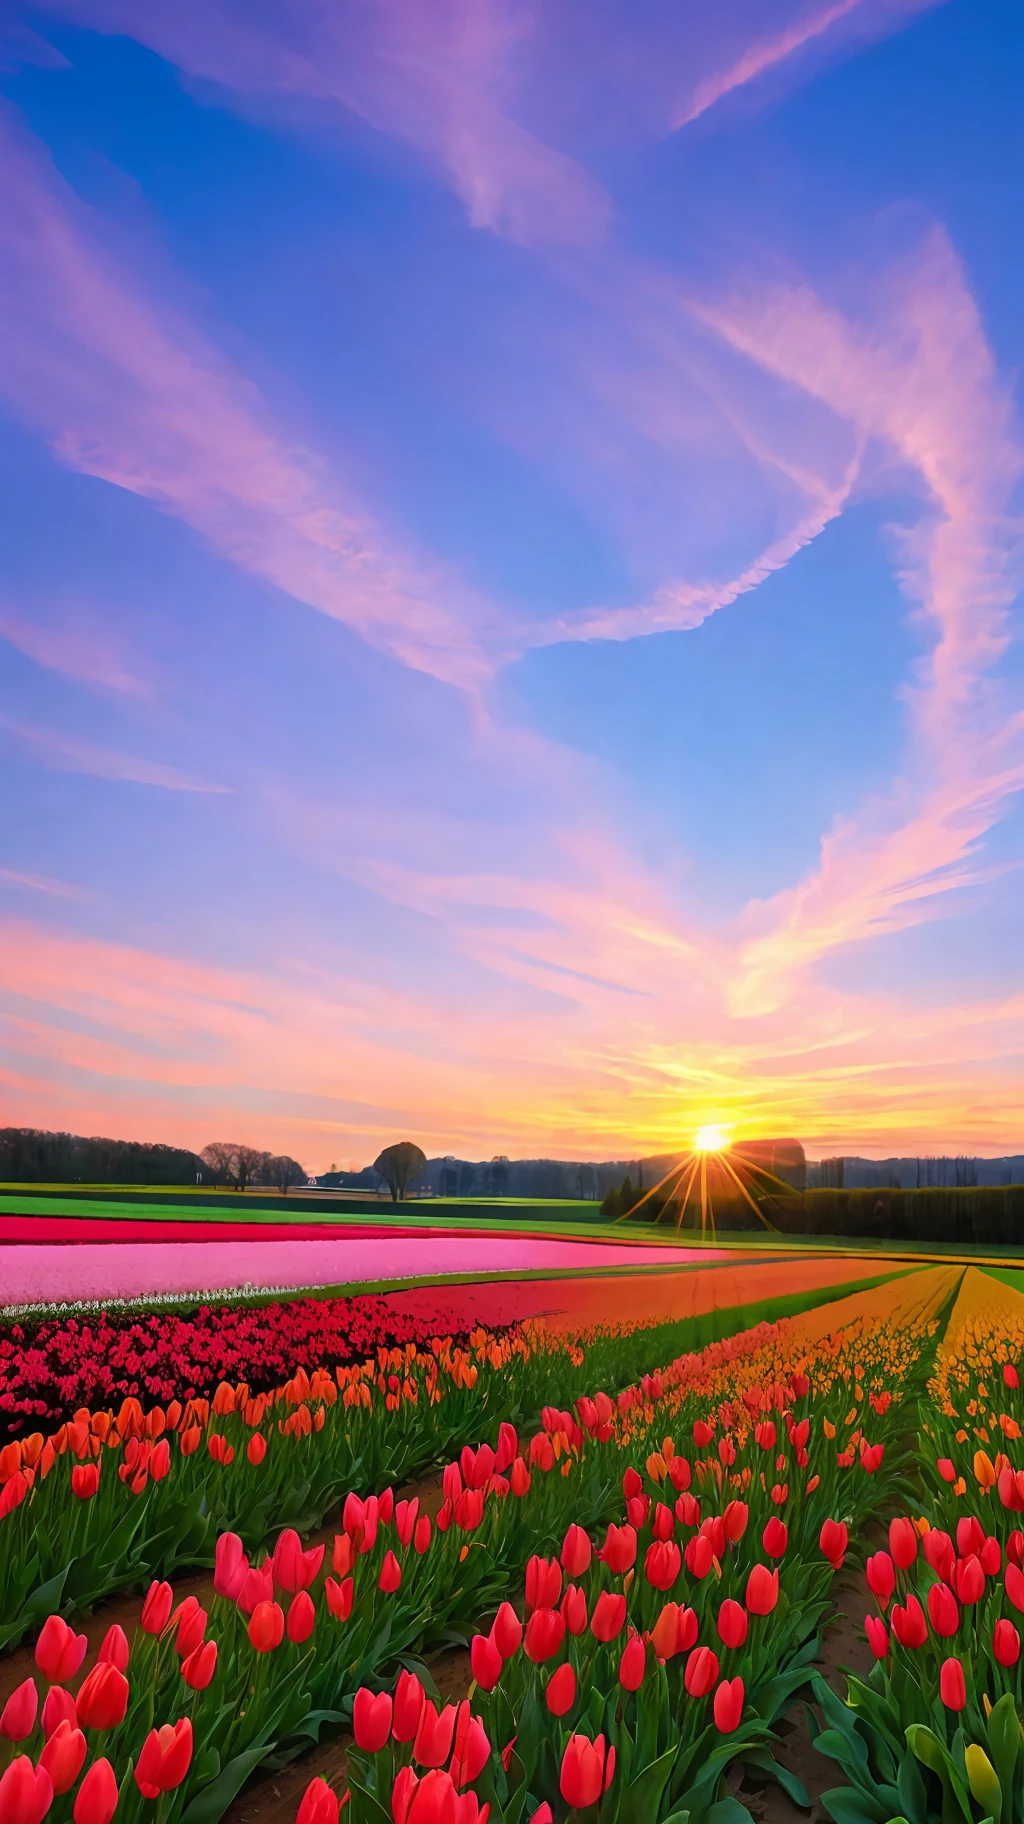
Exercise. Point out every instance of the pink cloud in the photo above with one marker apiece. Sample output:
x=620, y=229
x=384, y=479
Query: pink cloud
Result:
x=37, y=883
x=73, y=643
x=131, y=394
x=767, y=53
x=921, y=381
x=64, y=754
x=443, y=78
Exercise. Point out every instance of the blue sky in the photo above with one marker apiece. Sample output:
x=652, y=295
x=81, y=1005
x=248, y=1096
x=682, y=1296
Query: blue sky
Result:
x=509, y=587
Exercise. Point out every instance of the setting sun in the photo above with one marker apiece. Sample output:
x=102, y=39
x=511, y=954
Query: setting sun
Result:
x=709, y=1140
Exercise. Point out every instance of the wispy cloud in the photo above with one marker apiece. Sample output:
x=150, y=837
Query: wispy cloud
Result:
x=766, y=53
x=72, y=642
x=37, y=883
x=64, y=754
x=441, y=78
x=131, y=394
x=923, y=382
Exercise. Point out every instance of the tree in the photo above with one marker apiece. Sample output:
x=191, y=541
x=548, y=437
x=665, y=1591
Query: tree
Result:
x=398, y=1165
x=233, y=1163
x=283, y=1172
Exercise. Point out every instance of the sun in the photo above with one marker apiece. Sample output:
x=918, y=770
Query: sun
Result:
x=709, y=1140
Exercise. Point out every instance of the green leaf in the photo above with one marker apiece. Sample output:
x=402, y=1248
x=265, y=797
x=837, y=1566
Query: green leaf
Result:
x=766, y=1763
x=1004, y=1739
x=846, y=1806
x=641, y=1799
x=211, y=1804
x=728, y=1811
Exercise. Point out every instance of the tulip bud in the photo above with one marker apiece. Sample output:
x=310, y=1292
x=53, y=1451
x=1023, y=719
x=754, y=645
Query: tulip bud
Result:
x=545, y=1632
x=881, y=1575
x=63, y=1756
x=371, y=1719
x=266, y=1626
x=586, y=1771
x=701, y=1673
x=943, y=1612
x=762, y=1592
x=59, y=1650
x=319, y=1804
x=878, y=1635
x=609, y=1616
x=485, y=1662
x=1006, y=1643
x=952, y=1685
x=909, y=1625
x=434, y=1732
x=507, y=1631
x=156, y=1610
x=834, y=1539
x=114, y=1649
x=560, y=1691
x=732, y=1623
x=18, y=1717
x=301, y=1617
x=729, y=1705
x=58, y=1707
x=408, y=1705
x=902, y=1542
x=102, y=1702
x=576, y=1552
x=164, y=1758
x=198, y=1669
x=97, y=1796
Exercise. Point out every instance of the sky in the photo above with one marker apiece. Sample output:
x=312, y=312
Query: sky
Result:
x=510, y=566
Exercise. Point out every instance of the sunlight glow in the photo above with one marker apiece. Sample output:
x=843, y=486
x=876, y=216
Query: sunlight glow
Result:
x=709, y=1140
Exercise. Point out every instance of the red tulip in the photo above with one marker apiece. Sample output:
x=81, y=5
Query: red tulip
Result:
x=762, y=1591
x=339, y=1597
x=430, y=1800
x=633, y=1664
x=878, y=1635
x=472, y=1748
x=160, y=1460
x=421, y=1535
x=295, y=1569
x=664, y=1523
x=663, y=1562
x=156, y=1610
x=63, y=1756
x=85, y=1480
x=371, y=1719
x=734, y=1521
x=619, y=1549
x=102, y=1702
x=881, y=1575
x=97, y=1796
x=543, y=1583
x=674, y=1631
x=833, y=1541
x=943, y=1612
x=775, y=1537
x=58, y=1706
x=952, y=1685
x=26, y=1792
x=59, y=1650
x=632, y=1483
x=702, y=1433
x=946, y=1468
x=390, y=1574
x=18, y=1717
x=587, y=1770
x=198, y=1669
x=409, y=1702
x=231, y=1565
x=969, y=1580
x=729, y=1705
x=609, y=1616
x=698, y=1555
x=256, y=1450
x=871, y=1457
x=114, y=1650
x=485, y=1662
x=970, y=1536
x=189, y=1622
x=519, y=1479
x=1014, y=1585
x=560, y=1691
x=1010, y=1375
x=164, y=1759
x=301, y=1617
x=732, y=1623
x=574, y=1608
x=902, y=1542
x=319, y=1804
x=343, y=1556
x=507, y=1631
x=266, y=1626
x=938, y=1549
x=701, y=1673
x=1006, y=1643
x=545, y=1632
x=909, y=1625
x=991, y=1558
x=576, y=1552
x=433, y=1741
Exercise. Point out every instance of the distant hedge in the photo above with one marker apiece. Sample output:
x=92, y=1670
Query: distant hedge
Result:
x=984, y=1214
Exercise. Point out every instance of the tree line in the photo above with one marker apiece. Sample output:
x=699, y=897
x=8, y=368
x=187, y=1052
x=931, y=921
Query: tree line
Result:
x=32, y=1155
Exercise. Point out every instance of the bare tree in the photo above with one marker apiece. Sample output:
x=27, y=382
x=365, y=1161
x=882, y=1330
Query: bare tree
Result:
x=232, y=1163
x=398, y=1165
x=283, y=1172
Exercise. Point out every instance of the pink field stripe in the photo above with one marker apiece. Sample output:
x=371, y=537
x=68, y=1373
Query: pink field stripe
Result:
x=51, y=1273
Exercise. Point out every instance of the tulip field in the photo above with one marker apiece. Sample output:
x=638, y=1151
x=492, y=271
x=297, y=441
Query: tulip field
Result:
x=631, y=1534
